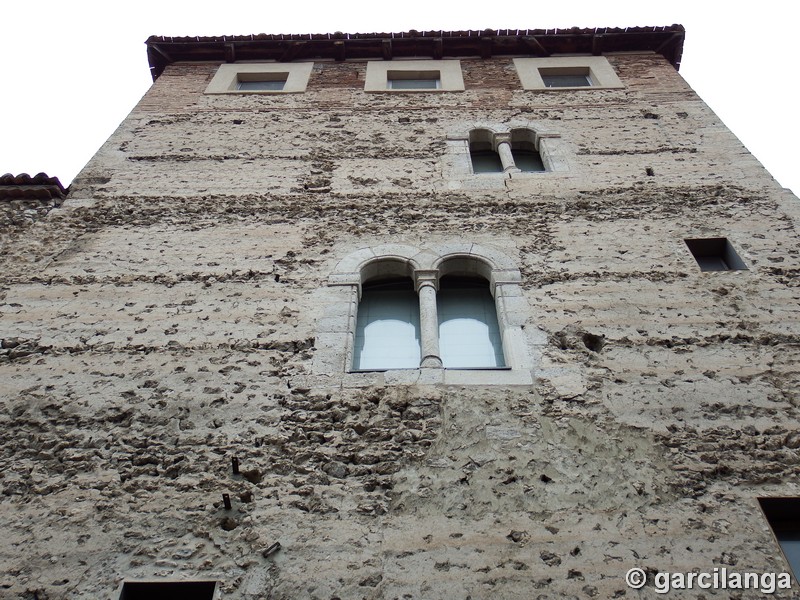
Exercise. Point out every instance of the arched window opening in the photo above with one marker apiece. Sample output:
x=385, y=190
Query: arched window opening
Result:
x=482, y=152
x=387, y=326
x=469, y=333
x=526, y=155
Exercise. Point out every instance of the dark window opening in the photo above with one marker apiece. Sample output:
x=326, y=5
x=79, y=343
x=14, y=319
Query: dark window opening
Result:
x=484, y=159
x=413, y=80
x=715, y=254
x=526, y=157
x=168, y=590
x=783, y=516
x=555, y=77
x=525, y=151
x=261, y=82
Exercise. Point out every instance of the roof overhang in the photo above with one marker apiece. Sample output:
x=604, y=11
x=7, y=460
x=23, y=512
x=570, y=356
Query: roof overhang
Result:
x=667, y=41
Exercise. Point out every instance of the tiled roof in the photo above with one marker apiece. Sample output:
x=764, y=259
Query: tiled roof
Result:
x=665, y=40
x=38, y=187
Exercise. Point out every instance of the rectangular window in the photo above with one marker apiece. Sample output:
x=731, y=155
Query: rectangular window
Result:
x=783, y=515
x=413, y=80
x=263, y=82
x=715, y=254
x=566, y=72
x=565, y=76
x=413, y=76
x=260, y=78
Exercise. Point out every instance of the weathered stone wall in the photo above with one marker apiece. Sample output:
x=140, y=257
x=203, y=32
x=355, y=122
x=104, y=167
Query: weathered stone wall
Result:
x=164, y=320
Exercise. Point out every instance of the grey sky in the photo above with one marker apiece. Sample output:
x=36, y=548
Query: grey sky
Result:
x=73, y=70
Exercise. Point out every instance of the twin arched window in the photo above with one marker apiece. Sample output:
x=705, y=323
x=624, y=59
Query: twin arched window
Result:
x=445, y=318
x=515, y=151
x=452, y=312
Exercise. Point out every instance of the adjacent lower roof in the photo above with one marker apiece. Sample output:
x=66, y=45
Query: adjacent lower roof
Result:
x=25, y=187
x=164, y=50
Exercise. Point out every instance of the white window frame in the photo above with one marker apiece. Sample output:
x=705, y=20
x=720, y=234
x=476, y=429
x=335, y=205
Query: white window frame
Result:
x=450, y=77
x=226, y=79
x=601, y=73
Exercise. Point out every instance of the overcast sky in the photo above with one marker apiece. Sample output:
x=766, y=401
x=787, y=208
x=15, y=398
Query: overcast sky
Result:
x=73, y=70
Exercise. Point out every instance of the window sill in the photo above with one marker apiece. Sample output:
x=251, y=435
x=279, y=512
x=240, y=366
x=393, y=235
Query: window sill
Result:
x=424, y=376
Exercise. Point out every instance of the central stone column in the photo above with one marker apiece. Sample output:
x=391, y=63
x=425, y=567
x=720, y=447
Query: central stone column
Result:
x=425, y=282
x=503, y=145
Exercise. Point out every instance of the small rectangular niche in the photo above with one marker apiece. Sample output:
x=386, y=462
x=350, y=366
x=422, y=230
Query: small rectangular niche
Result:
x=565, y=76
x=715, y=254
x=169, y=590
x=413, y=80
x=783, y=516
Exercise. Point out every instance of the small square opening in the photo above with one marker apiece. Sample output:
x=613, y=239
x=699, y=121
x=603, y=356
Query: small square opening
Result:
x=783, y=516
x=261, y=82
x=413, y=80
x=555, y=77
x=715, y=254
x=168, y=590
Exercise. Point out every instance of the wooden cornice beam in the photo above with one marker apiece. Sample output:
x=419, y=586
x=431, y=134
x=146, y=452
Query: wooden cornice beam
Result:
x=669, y=49
x=386, y=49
x=340, y=51
x=230, y=52
x=291, y=51
x=533, y=44
x=161, y=53
x=438, y=49
x=486, y=47
x=670, y=41
x=597, y=44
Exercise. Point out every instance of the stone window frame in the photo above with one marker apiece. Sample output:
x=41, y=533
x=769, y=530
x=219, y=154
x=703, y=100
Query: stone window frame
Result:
x=226, y=78
x=335, y=339
x=601, y=73
x=450, y=77
x=548, y=143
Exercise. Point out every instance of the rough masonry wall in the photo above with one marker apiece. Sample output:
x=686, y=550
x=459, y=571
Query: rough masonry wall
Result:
x=163, y=321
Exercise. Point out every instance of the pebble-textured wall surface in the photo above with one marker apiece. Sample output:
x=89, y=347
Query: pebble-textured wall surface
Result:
x=163, y=321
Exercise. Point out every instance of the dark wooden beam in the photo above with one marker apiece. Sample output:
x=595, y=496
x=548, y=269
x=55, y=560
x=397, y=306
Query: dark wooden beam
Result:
x=675, y=38
x=340, y=52
x=230, y=52
x=438, y=49
x=533, y=44
x=161, y=53
x=386, y=49
x=486, y=47
x=597, y=44
x=291, y=51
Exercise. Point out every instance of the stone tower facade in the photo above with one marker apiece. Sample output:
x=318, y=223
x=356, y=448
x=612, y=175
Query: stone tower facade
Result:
x=199, y=299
